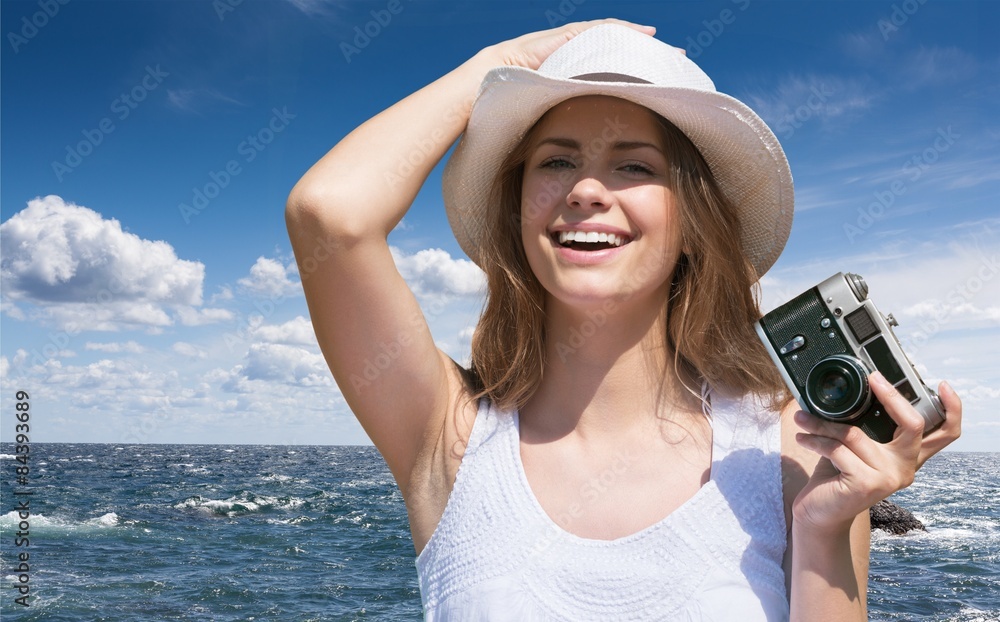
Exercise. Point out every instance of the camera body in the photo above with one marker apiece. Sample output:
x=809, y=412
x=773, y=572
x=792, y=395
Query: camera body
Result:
x=827, y=340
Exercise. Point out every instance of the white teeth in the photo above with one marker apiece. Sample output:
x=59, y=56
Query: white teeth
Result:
x=591, y=237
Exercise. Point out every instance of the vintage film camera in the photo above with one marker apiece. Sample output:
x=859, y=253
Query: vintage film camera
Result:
x=827, y=340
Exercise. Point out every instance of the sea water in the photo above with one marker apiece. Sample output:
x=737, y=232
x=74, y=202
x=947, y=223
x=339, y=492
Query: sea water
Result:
x=137, y=533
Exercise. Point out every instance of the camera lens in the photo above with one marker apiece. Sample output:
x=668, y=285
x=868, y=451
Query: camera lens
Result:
x=833, y=387
x=837, y=388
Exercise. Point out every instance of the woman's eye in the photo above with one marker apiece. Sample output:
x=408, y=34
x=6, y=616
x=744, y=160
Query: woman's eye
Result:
x=637, y=168
x=556, y=163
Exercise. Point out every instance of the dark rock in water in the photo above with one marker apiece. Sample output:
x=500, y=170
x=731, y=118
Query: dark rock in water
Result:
x=888, y=516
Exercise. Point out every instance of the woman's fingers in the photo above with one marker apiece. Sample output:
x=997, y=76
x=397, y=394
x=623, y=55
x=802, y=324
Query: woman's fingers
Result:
x=844, y=434
x=579, y=27
x=840, y=455
x=910, y=423
x=950, y=430
x=532, y=49
x=857, y=471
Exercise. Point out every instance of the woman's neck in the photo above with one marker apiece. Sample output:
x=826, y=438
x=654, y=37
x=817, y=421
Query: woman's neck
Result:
x=608, y=369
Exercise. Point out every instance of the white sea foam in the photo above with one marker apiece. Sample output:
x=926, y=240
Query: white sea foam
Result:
x=969, y=614
x=105, y=520
x=11, y=519
x=276, y=478
x=244, y=503
x=7, y=457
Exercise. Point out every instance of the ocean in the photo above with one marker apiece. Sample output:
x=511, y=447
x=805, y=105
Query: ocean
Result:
x=137, y=533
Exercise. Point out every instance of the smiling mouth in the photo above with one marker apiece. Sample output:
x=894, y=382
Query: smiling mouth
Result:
x=589, y=240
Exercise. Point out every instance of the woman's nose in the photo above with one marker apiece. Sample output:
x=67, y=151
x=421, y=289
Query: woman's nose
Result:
x=589, y=193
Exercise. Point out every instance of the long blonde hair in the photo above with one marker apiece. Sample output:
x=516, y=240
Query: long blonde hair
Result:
x=711, y=307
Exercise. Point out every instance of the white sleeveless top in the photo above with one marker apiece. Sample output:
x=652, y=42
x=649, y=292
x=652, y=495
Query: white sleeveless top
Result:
x=496, y=555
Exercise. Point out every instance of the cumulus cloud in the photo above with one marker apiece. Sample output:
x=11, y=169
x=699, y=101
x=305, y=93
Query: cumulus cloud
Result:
x=225, y=293
x=931, y=287
x=269, y=277
x=82, y=271
x=287, y=364
x=297, y=331
x=432, y=273
x=94, y=381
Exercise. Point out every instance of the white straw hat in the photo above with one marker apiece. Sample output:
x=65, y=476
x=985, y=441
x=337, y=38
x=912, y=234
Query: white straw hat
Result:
x=744, y=155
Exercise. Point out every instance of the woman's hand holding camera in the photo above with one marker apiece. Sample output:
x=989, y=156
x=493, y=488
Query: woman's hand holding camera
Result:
x=856, y=472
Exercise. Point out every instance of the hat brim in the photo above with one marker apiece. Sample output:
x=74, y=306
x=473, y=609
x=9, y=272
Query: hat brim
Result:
x=742, y=152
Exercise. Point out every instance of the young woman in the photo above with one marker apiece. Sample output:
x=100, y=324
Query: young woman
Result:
x=622, y=447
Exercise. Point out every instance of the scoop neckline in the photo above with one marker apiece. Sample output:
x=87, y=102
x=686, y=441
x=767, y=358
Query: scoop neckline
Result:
x=661, y=523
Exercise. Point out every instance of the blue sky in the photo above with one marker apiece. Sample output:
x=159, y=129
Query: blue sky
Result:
x=149, y=292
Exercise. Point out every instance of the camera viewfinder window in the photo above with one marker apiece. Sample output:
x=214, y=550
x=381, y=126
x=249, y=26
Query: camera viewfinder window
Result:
x=861, y=325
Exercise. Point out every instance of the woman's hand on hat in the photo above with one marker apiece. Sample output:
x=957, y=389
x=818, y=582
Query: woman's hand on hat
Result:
x=856, y=472
x=532, y=49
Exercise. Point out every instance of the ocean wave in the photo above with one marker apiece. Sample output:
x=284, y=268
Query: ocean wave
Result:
x=243, y=503
x=298, y=520
x=11, y=519
x=968, y=614
x=7, y=457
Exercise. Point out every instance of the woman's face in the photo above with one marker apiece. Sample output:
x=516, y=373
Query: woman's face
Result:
x=598, y=221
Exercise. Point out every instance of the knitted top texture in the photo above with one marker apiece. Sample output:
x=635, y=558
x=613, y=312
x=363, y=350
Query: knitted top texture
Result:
x=496, y=555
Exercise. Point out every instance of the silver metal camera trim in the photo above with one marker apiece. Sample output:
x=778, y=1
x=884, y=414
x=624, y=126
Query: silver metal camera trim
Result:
x=848, y=293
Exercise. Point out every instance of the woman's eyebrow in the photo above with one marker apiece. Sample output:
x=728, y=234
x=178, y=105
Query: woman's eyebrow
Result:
x=568, y=143
x=622, y=145
x=626, y=145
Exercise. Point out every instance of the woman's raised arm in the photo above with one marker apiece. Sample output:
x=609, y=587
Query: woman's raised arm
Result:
x=368, y=324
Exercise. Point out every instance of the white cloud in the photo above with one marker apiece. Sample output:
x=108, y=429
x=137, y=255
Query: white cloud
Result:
x=131, y=347
x=314, y=8
x=193, y=100
x=798, y=100
x=83, y=272
x=297, y=331
x=286, y=364
x=100, y=378
x=189, y=350
x=269, y=277
x=432, y=273
x=936, y=66
x=225, y=293
x=189, y=316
